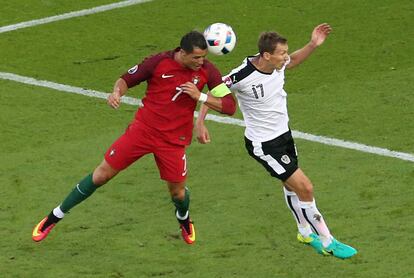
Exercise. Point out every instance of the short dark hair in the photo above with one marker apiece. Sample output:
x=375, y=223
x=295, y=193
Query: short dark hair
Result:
x=192, y=40
x=268, y=42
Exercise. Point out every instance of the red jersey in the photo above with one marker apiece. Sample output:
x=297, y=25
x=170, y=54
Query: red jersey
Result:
x=165, y=107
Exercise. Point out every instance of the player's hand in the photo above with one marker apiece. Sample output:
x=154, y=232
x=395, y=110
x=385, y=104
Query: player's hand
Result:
x=114, y=99
x=191, y=89
x=320, y=33
x=203, y=137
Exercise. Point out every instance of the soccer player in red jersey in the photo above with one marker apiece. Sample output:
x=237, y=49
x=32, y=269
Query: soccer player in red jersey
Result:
x=162, y=126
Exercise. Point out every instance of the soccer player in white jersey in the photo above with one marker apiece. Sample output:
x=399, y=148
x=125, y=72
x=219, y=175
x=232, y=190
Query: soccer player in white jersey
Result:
x=258, y=84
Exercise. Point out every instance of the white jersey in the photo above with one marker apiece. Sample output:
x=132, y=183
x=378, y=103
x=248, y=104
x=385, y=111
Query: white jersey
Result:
x=261, y=99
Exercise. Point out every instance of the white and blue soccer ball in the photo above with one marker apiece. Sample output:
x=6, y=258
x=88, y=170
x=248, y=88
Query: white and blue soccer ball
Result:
x=220, y=38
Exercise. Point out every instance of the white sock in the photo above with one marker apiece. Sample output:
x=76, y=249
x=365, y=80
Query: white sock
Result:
x=315, y=219
x=58, y=212
x=292, y=202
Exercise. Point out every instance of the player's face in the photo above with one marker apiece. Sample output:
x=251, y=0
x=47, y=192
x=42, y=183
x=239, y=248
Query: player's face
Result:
x=279, y=56
x=195, y=59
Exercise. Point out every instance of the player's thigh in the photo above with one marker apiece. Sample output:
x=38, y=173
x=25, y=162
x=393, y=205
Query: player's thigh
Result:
x=128, y=148
x=172, y=163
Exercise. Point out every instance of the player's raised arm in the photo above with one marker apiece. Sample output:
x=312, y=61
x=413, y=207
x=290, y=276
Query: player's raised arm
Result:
x=319, y=34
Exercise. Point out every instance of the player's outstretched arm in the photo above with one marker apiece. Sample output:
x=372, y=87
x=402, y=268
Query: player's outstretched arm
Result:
x=319, y=34
x=120, y=88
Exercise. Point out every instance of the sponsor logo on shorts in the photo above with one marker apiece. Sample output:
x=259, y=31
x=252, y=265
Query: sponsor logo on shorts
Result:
x=285, y=159
x=112, y=152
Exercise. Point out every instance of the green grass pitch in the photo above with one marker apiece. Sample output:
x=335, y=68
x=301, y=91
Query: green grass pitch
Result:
x=356, y=87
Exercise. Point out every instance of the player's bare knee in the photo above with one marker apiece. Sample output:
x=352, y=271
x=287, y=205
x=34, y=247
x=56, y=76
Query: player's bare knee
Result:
x=177, y=193
x=99, y=177
x=177, y=190
x=102, y=174
x=307, y=189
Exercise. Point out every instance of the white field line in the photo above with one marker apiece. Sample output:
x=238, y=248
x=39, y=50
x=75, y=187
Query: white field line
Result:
x=215, y=118
x=70, y=15
x=64, y=88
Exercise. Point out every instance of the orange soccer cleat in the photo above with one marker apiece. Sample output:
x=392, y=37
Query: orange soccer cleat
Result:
x=188, y=231
x=39, y=232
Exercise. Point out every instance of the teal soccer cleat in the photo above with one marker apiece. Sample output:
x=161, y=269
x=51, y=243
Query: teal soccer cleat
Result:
x=340, y=250
x=314, y=241
x=336, y=248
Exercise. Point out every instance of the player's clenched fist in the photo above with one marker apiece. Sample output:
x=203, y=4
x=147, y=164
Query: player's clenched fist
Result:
x=190, y=89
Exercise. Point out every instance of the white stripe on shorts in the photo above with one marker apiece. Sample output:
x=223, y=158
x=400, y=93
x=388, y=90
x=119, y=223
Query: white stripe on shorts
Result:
x=258, y=151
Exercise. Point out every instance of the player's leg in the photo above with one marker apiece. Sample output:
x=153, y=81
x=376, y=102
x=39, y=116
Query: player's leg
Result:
x=180, y=196
x=119, y=156
x=279, y=158
x=292, y=202
x=305, y=233
x=172, y=164
x=85, y=188
x=303, y=187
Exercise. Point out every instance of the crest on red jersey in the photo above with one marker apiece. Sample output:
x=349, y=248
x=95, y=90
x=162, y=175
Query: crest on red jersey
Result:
x=196, y=79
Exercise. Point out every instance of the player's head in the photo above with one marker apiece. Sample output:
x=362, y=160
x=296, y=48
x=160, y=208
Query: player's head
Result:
x=191, y=40
x=273, y=48
x=268, y=42
x=193, y=50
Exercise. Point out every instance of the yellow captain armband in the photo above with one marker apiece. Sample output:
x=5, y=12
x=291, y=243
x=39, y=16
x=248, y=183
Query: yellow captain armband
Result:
x=220, y=90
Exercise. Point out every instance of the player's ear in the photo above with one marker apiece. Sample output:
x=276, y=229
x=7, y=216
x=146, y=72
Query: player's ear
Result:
x=266, y=56
x=184, y=53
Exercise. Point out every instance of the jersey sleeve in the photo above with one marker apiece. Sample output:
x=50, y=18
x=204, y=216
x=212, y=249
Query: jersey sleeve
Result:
x=233, y=77
x=143, y=71
x=230, y=81
x=215, y=84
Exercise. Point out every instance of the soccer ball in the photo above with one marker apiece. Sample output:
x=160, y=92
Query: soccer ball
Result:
x=220, y=38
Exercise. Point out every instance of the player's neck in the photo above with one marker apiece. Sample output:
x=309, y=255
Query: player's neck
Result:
x=262, y=65
x=178, y=58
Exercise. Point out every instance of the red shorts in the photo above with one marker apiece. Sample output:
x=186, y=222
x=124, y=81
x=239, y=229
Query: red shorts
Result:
x=139, y=140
